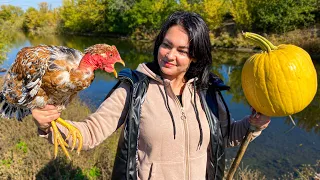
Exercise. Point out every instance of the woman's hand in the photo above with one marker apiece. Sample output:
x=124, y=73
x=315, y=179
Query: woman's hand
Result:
x=44, y=116
x=258, y=120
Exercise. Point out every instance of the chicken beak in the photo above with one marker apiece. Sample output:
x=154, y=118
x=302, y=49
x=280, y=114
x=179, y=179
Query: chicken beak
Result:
x=115, y=73
x=122, y=62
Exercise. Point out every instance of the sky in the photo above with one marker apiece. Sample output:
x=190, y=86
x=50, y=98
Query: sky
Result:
x=25, y=4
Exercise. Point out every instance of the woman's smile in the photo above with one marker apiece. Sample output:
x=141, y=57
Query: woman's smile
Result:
x=168, y=64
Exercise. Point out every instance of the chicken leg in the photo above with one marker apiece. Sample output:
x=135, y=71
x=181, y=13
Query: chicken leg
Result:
x=74, y=133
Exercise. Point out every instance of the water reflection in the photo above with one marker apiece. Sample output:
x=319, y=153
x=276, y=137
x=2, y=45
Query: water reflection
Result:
x=308, y=119
x=232, y=77
x=273, y=153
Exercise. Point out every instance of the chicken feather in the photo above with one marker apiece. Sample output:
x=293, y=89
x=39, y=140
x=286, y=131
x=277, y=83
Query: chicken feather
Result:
x=45, y=74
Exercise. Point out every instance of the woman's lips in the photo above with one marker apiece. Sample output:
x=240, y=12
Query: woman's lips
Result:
x=168, y=64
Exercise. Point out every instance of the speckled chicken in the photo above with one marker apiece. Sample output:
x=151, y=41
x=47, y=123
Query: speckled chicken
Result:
x=44, y=75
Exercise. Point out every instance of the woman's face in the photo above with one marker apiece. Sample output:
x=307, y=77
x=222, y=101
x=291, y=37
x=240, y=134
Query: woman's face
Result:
x=173, y=53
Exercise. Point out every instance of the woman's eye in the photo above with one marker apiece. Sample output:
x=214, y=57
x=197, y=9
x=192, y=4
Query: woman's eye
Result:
x=165, y=45
x=183, y=52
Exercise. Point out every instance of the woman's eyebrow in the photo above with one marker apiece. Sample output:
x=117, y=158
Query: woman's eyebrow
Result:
x=170, y=43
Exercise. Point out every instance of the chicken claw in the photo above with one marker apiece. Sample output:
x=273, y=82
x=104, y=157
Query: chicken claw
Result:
x=58, y=140
x=74, y=133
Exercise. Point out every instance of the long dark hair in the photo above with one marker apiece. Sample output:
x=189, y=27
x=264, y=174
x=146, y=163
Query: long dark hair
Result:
x=199, y=47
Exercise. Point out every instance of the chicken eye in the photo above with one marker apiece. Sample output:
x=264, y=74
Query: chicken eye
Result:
x=111, y=55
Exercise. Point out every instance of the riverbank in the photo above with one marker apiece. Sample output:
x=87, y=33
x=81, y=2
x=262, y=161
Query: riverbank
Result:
x=308, y=39
x=229, y=39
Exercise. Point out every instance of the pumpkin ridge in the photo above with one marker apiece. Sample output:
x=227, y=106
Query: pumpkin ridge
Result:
x=255, y=65
x=266, y=78
x=300, y=83
x=269, y=90
x=283, y=73
x=247, y=86
x=300, y=66
x=263, y=84
x=311, y=70
x=292, y=97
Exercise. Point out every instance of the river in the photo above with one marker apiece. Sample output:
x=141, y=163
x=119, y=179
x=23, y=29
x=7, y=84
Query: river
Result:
x=274, y=153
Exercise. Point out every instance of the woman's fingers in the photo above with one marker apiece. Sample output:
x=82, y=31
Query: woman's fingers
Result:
x=45, y=115
x=48, y=107
x=259, y=120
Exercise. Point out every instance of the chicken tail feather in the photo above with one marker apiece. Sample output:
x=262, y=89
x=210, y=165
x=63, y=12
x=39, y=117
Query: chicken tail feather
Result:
x=10, y=111
x=1, y=97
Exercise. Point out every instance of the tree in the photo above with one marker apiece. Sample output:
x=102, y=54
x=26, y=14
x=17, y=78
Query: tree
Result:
x=212, y=12
x=10, y=19
x=116, y=16
x=42, y=21
x=239, y=10
x=273, y=15
x=281, y=15
x=43, y=7
x=146, y=16
x=10, y=13
x=82, y=16
x=11, y=16
x=31, y=21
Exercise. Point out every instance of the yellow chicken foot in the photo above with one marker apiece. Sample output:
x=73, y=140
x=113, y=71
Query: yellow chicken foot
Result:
x=74, y=133
x=58, y=140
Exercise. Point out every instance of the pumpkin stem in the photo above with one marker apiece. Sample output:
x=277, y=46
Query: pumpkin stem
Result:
x=273, y=47
x=261, y=41
x=261, y=44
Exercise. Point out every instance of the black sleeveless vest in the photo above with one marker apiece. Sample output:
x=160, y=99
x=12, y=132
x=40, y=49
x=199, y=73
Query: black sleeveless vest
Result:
x=126, y=157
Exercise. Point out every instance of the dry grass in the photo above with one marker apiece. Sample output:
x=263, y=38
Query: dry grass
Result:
x=305, y=172
x=249, y=174
x=308, y=39
x=244, y=172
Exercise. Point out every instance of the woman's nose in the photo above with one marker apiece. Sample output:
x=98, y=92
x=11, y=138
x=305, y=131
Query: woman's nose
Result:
x=171, y=55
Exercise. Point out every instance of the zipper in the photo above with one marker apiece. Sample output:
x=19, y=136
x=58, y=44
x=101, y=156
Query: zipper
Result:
x=186, y=130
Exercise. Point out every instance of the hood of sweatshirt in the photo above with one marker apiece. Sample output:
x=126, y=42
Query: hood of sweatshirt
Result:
x=143, y=68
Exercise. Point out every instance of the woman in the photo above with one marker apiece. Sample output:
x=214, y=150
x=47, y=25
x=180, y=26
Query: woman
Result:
x=176, y=121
